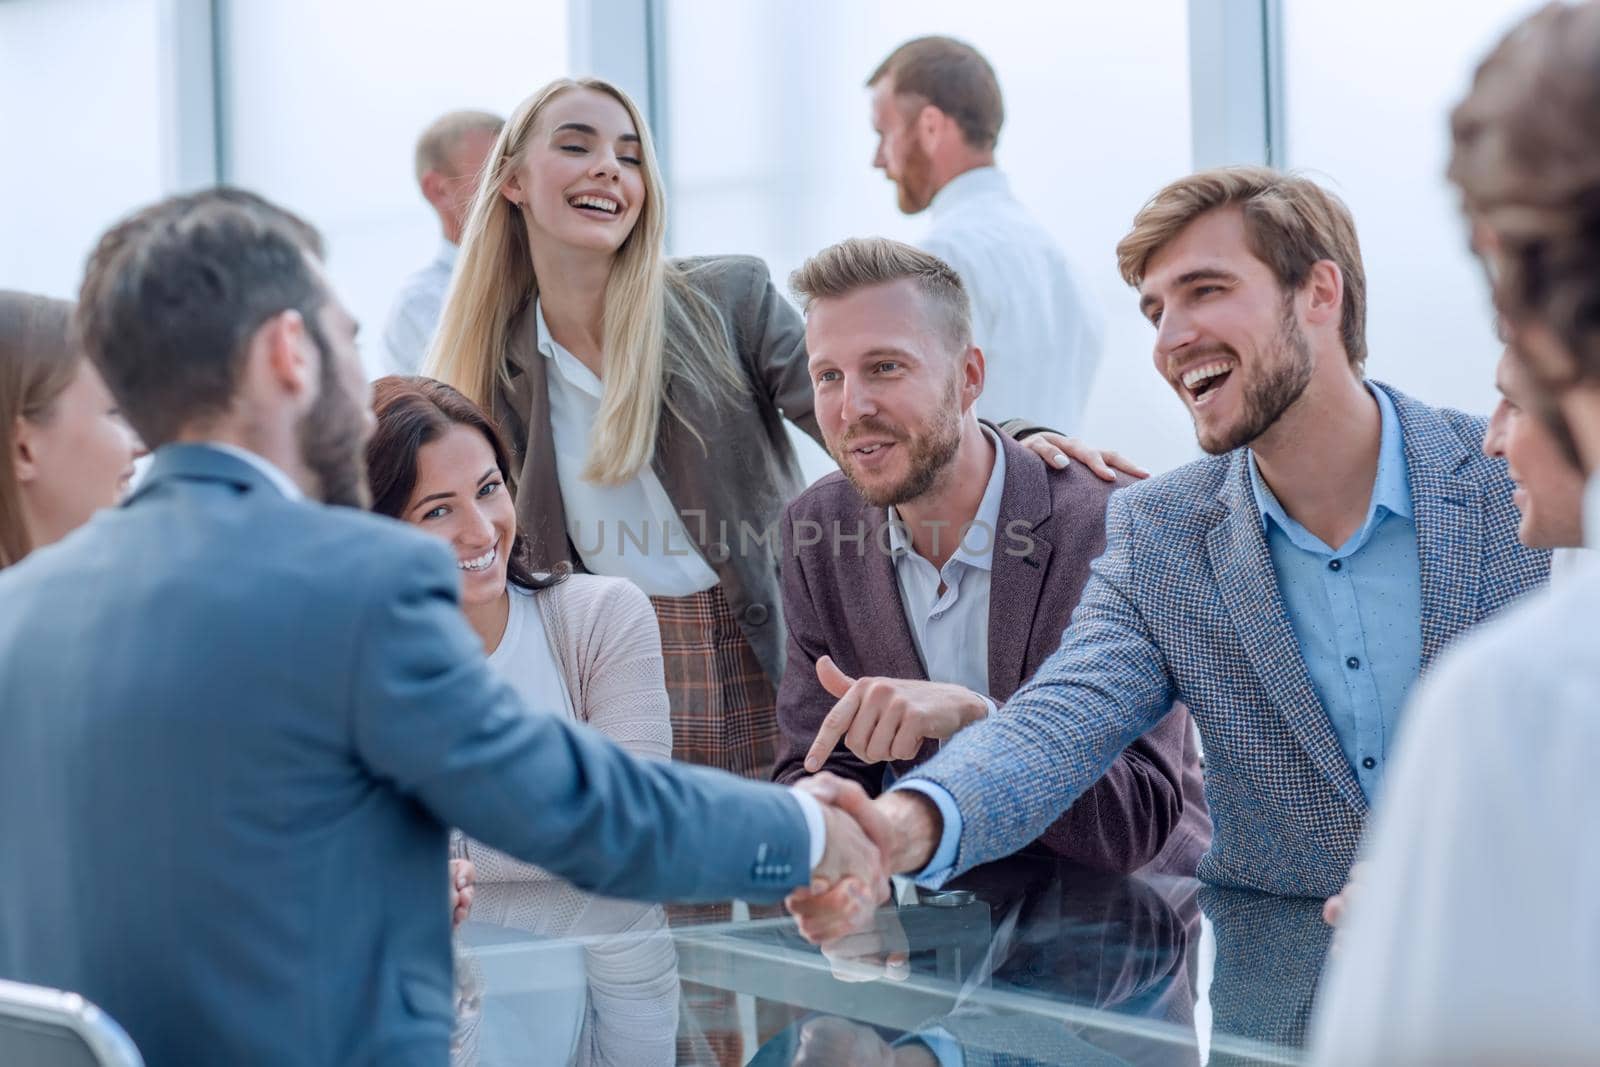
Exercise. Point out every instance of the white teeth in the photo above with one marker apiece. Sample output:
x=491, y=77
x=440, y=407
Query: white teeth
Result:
x=602, y=203
x=1196, y=375
x=482, y=563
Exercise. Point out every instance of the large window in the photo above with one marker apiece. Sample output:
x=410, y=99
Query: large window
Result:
x=1369, y=86
x=83, y=110
x=324, y=103
x=770, y=147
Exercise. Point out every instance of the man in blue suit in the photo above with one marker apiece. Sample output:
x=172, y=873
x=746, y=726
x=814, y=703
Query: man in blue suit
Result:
x=238, y=723
x=1289, y=588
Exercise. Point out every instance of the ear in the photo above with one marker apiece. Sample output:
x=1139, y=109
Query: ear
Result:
x=283, y=357
x=1324, y=294
x=25, y=452
x=433, y=188
x=973, y=370
x=930, y=125
x=513, y=191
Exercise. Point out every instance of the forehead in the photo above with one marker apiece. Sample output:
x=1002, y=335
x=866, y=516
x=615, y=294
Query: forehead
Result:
x=588, y=107
x=1214, y=239
x=891, y=315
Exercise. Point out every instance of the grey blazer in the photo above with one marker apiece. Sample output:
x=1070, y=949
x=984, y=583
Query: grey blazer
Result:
x=237, y=728
x=731, y=488
x=1184, y=604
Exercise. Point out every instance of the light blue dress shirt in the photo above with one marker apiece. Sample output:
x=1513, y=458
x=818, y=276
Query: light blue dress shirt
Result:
x=1356, y=612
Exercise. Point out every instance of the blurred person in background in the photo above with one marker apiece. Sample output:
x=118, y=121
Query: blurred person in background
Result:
x=937, y=111
x=449, y=160
x=68, y=452
x=1471, y=938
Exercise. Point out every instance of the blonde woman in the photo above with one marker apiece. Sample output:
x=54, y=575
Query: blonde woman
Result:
x=67, y=452
x=644, y=399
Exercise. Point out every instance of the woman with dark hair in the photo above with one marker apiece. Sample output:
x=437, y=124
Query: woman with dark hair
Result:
x=578, y=645
x=67, y=451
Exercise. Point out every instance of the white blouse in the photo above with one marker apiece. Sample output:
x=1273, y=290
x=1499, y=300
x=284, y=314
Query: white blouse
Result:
x=627, y=531
x=525, y=659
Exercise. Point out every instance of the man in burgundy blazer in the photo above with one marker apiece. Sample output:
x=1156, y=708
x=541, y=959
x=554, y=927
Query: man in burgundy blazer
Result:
x=880, y=380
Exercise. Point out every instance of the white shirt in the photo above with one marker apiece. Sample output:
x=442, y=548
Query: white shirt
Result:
x=627, y=531
x=1474, y=931
x=525, y=659
x=415, y=314
x=951, y=629
x=1038, y=325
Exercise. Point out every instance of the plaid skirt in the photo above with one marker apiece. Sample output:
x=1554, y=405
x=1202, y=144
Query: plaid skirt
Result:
x=724, y=708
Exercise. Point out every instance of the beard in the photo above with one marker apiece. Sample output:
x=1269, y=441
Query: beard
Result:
x=930, y=452
x=913, y=187
x=333, y=435
x=1270, y=393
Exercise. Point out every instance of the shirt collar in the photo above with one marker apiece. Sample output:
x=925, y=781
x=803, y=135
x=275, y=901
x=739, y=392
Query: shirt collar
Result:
x=968, y=185
x=269, y=470
x=986, y=521
x=1391, y=489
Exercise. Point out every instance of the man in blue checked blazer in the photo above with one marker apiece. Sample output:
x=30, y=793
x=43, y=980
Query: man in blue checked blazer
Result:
x=1290, y=587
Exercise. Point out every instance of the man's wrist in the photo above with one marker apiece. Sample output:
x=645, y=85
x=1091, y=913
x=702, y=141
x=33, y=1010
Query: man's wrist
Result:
x=916, y=825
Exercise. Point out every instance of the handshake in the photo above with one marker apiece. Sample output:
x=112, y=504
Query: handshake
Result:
x=867, y=841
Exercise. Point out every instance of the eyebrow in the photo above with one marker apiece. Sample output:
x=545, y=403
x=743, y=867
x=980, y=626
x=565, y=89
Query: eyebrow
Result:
x=1189, y=278
x=585, y=128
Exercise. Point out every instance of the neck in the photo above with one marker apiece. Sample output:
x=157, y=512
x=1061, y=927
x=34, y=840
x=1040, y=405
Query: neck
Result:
x=41, y=529
x=489, y=619
x=278, y=446
x=1320, y=459
x=956, y=167
x=572, y=294
x=935, y=519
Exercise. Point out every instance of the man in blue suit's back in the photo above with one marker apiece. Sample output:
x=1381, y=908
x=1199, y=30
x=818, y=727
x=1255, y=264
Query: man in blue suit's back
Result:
x=237, y=724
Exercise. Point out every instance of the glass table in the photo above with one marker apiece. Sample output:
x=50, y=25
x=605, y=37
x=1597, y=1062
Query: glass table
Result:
x=1026, y=961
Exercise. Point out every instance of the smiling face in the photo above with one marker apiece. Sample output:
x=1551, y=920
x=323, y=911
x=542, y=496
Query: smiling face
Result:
x=580, y=182
x=890, y=390
x=461, y=498
x=1228, y=337
x=1549, y=485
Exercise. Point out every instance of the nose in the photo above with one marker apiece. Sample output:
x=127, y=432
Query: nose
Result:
x=1174, y=333
x=878, y=160
x=859, y=401
x=607, y=167
x=478, y=530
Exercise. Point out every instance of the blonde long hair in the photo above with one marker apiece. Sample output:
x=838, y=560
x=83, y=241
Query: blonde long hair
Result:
x=657, y=326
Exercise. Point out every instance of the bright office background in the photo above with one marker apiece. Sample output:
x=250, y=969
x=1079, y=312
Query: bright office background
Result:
x=762, y=121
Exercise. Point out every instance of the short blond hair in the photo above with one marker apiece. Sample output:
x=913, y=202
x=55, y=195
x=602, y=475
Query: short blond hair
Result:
x=439, y=140
x=1290, y=223
x=861, y=262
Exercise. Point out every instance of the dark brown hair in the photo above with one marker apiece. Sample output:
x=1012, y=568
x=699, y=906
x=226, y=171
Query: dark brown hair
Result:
x=952, y=76
x=173, y=294
x=1290, y=223
x=38, y=360
x=1526, y=157
x=411, y=413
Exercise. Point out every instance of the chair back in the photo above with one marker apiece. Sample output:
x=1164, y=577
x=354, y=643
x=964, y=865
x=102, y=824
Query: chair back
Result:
x=48, y=1028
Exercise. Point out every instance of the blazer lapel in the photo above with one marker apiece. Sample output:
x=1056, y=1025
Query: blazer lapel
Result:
x=1449, y=522
x=1248, y=586
x=1016, y=580
x=522, y=405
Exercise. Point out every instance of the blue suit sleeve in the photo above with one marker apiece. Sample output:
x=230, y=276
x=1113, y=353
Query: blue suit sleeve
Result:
x=431, y=720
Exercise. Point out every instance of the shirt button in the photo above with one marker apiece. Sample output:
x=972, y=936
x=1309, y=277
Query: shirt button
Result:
x=1369, y=763
x=1334, y=565
x=1353, y=663
x=755, y=614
